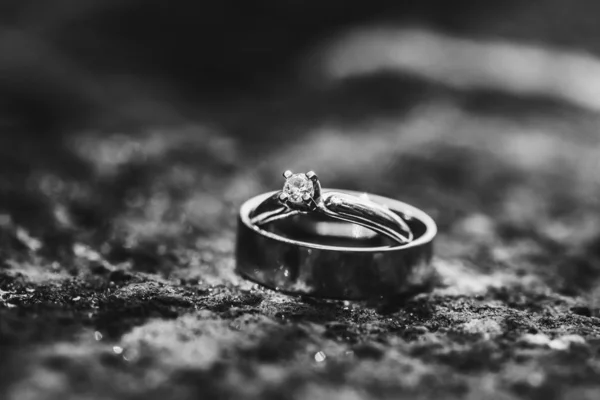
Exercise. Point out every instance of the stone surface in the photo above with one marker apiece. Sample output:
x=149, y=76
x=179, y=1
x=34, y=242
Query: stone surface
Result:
x=116, y=240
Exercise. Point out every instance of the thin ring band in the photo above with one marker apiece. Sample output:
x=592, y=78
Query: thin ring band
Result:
x=303, y=194
x=343, y=207
x=340, y=272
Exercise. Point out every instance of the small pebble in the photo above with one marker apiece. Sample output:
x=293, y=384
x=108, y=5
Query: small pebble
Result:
x=419, y=329
x=538, y=339
x=565, y=342
x=320, y=357
x=482, y=326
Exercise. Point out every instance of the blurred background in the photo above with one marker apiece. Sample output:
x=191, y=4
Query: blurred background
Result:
x=458, y=106
x=131, y=131
x=138, y=121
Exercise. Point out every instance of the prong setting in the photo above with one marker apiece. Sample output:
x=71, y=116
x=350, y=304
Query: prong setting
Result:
x=301, y=192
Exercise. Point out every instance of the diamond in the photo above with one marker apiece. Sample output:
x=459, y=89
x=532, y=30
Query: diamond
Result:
x=297, y=186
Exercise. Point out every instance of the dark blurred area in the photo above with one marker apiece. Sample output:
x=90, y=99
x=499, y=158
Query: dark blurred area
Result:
x=69, y=63
x=66, y=63
x=265, y=76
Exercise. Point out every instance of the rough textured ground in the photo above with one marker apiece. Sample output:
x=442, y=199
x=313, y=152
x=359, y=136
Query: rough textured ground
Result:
x=117, y=273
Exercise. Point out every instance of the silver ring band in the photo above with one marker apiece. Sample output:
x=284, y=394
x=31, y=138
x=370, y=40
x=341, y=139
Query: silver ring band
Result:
x=302, y=194
x=352, y=271
x=360, y=210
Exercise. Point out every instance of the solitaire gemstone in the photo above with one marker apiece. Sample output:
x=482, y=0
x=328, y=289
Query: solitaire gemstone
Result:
x=297, y=186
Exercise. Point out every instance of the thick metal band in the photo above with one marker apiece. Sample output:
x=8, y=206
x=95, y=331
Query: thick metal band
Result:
x=343, y=272
x=360, y=210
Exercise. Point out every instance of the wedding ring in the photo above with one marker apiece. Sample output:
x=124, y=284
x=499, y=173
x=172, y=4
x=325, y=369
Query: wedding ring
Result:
x=286, y=241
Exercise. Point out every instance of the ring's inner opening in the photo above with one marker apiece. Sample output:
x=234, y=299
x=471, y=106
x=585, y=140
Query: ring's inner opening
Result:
x=316, y=228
